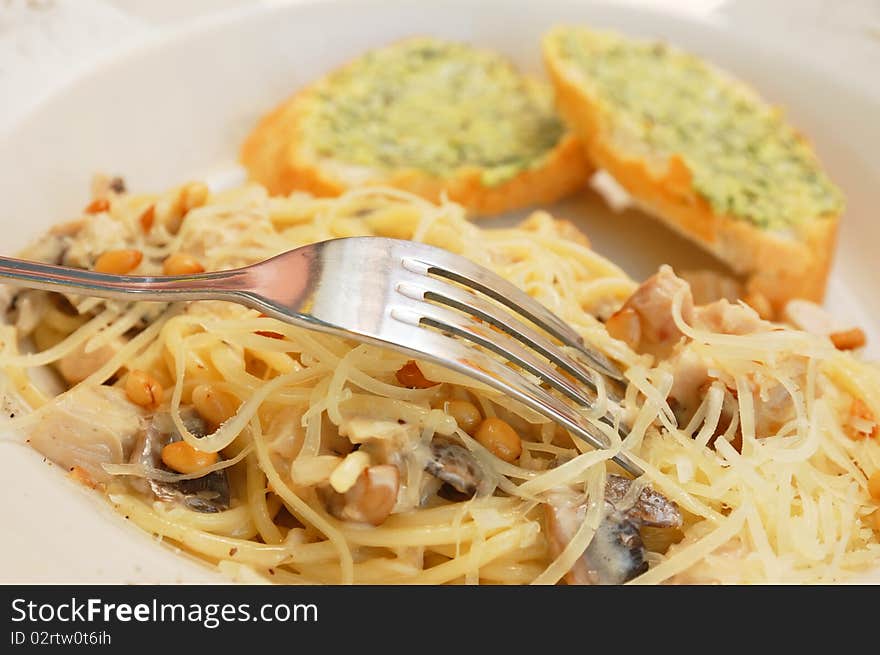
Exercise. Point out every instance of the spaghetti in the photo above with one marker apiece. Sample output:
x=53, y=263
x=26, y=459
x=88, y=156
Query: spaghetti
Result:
x=322, y=460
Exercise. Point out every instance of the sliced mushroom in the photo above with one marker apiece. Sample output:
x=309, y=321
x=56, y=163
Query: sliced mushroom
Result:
x=616, y=553
x=650, y=508
x=87, y=428
x=207, y=494
x=454, y=465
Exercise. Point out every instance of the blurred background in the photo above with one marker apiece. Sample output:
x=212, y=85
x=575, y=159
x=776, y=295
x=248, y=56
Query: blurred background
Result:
x=45, y=42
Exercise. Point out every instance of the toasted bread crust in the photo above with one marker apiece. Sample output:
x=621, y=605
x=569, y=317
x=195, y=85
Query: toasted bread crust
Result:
x=780, y=267
x=276, y=155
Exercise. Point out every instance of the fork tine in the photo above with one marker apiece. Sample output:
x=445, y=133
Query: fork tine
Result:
x=473, y=305
x=500, y=343
x=463, y=271
x=472, y=361
x=511, y=350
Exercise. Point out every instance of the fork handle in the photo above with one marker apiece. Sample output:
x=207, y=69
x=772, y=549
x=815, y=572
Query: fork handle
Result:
x=218, y=285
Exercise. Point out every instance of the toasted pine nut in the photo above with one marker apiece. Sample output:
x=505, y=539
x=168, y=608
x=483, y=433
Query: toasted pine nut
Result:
x=143, y=389
x=97, y=206
x=148, y=218
x=410, y=375
x=465, y=414
x=180, y=263
x=118, y=262
x=848, y=339
x=500, y=439
x=183, y=458
x=215, y=406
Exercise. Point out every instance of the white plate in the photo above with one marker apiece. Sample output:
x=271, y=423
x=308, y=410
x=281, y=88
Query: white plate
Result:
x=176, y=107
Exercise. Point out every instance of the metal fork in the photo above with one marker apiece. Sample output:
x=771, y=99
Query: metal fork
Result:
x=421, y=300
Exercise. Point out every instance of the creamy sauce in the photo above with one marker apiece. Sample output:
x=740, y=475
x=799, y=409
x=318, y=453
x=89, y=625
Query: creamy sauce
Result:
x=436, y=107
x=746, y=161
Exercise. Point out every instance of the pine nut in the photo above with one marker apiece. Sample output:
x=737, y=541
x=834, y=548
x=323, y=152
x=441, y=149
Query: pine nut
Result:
x=500, y=439
x=411, y=376
x=215, y=406
x=143, y=389
x=118, y=262
x=180, y=263
x=183, y=458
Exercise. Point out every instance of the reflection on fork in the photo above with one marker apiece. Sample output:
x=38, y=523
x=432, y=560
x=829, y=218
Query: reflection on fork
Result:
x=418, y=299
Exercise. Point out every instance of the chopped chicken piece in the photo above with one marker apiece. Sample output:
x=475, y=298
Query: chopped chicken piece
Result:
x=646, y=322
x=708, y=286
x=726, y=318
x=88, y=427
x=651, y=305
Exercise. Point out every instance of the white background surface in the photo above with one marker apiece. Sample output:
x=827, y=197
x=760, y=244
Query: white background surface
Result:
x=45, y=43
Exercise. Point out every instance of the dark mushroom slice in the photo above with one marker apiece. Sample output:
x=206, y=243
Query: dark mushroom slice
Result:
x=616, y=554
x=457, y=468
x=207, y=494
x=650, y=508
